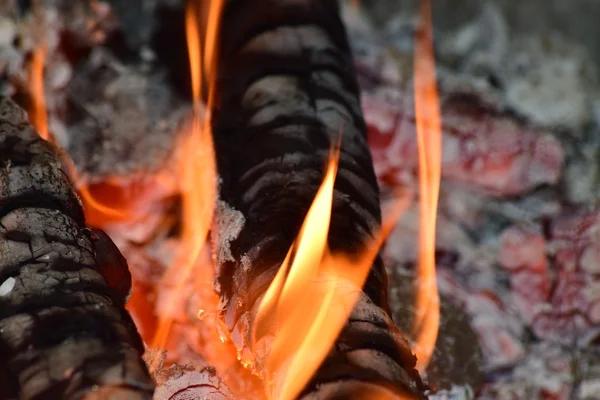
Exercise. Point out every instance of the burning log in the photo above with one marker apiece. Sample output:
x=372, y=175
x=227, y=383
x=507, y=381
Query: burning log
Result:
x=285, y=90
x=63, y=330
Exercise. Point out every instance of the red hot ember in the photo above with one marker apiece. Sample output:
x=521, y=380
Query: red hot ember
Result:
x=498, y=330
x=482, y=148
x=558, y=294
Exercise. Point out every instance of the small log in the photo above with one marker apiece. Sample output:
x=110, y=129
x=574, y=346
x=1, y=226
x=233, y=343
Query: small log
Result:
x=63, y=330
x=286, y=89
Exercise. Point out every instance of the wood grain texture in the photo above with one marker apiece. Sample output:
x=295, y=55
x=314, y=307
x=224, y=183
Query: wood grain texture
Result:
x=63, y=330
x=286, y=89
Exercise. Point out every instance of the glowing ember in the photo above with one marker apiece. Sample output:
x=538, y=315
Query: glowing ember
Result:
x=425, y=325
x=197, y=167
x=311, y=297
x=90, y=202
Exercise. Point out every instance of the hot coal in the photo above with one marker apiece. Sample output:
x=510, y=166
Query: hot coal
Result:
x=519, y=237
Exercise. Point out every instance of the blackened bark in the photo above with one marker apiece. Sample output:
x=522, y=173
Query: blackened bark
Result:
x=286, y=88
x=64, y=333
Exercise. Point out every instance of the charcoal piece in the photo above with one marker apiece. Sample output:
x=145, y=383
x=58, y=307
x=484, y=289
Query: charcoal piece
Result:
x=286, y=89
x=68, y=28
x=139, y=20
x=61, y=333
x=135, y=20
x=457, y=360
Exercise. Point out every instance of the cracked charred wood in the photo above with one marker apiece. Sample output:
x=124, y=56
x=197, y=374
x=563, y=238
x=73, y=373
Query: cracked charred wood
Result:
x=64, y=333
x=187, y=382
x=286, y=87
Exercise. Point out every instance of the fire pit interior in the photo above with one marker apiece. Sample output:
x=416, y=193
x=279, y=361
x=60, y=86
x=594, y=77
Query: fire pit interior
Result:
x=276, y=199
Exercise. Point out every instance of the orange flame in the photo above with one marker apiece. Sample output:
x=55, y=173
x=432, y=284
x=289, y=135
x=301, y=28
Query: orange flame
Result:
x=39, y=117
x=426, y=323
x=197, y=168
x=36, y=80
x=92, y=205
x=311, y=297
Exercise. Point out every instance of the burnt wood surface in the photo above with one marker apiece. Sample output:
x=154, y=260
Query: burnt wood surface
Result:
x=64, y=333
x=286, y=89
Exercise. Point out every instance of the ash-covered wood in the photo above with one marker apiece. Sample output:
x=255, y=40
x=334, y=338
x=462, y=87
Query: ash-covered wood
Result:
x=189, y=383
x=286, y=89
x=63, y=330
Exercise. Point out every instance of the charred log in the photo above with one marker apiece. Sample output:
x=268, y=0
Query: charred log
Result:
x=286, y=88
x=63, y=330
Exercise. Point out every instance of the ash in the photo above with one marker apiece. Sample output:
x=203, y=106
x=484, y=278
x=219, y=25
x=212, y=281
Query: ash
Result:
x=517, y=246
x=108, y=94
x=228, y=223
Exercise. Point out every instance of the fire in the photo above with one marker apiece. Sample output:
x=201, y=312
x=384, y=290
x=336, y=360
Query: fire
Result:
x=113, y=200
x=39, y=116
x=315, y=290
x=426, y=323
x=311, y=297
x=39, y=119
x=197, y=167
